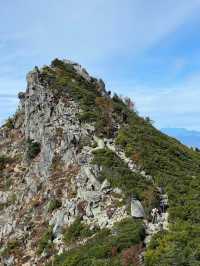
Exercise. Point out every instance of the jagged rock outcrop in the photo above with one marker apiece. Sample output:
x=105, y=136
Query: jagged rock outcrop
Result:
x=48, y=175
x=61, y=170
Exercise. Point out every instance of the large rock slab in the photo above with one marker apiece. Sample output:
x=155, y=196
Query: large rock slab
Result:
x=137, y=210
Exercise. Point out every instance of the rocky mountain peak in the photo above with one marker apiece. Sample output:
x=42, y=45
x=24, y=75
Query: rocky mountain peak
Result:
x=49, y=151
x=84, y=180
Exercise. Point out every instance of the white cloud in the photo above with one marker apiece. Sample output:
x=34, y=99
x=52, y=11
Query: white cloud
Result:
x=92, y=32
x=174, y=107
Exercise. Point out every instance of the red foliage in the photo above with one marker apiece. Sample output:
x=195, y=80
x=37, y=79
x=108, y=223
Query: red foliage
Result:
x=106, y=108
x=81, y=206
x=135, y=157
x=114, y=251
x=129, y=103
x=110, y=211
x=130, y=256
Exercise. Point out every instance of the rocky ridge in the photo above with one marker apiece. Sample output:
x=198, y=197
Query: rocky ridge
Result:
x=48, y=178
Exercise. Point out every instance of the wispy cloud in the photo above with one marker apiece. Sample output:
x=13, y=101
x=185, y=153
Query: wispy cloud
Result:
x=99, y=34
x=93, y=30
x=169, y=106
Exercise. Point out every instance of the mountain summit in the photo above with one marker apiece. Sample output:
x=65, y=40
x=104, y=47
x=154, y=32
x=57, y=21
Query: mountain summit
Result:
x=82, y=177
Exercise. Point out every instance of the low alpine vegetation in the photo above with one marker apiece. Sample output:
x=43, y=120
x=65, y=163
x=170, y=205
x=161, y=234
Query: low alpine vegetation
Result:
x=77, y=231
x=3, y=161
x=119, y=175
x=106, y=247
x=53, y=205
x=46, y=241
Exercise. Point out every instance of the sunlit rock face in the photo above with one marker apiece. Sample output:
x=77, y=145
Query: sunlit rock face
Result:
x=68, y=163
x=61, y=171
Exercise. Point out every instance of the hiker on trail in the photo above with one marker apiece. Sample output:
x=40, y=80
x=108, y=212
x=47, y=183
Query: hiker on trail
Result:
x=162, y=206
x=160, y=211
x=154, y=214
x=164, y=202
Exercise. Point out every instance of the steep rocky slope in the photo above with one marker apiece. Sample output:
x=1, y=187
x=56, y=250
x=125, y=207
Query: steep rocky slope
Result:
x=73, y=160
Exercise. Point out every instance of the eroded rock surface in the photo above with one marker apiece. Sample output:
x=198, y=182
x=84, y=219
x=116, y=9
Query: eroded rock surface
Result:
x=47, y=174
x=62, y=170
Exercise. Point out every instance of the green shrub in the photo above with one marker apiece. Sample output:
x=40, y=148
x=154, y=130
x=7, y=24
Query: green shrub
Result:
x=12, y=198
x=122, y=138
x=3, y=161
x=87, y=116
x=12, y=246
x=77, y=230
x=33, y=149
x=46, y=241
x=9, y=123
x=61, y=65
x=180, y=246
x=53, y=205
x=128, y=233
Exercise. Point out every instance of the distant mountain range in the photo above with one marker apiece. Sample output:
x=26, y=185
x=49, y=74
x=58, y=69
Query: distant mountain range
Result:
x=190, y=138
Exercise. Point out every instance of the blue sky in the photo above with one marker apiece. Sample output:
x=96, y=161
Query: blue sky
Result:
x=148, y=50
